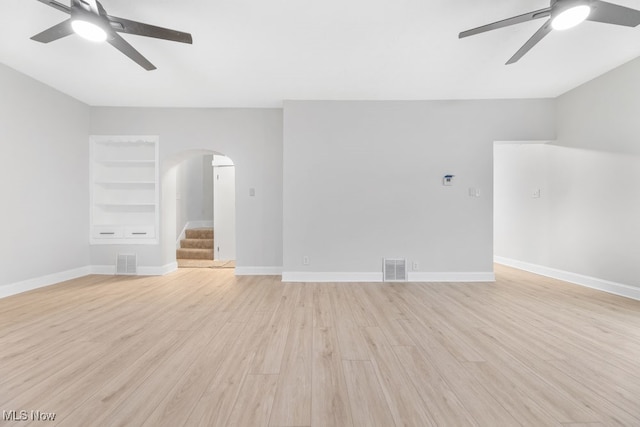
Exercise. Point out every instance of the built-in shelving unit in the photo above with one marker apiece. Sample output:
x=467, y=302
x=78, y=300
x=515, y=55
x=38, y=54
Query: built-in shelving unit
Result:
x=124, y=189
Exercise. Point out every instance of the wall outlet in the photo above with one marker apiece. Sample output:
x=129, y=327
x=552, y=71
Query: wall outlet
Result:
x=415, y=265
x=305, y=260
x=536, y=194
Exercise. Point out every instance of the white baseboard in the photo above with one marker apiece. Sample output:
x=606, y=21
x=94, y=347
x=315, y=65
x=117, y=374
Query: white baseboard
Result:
x=258, y=271
x=110, y=270
x=158, y=271
x=413, y=276
x=454, y=276
x=577, y=279
x=106, y=270
x=312, y=276
x=42, y=281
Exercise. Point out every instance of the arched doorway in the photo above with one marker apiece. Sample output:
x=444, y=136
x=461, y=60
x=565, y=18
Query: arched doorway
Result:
x=198, y=210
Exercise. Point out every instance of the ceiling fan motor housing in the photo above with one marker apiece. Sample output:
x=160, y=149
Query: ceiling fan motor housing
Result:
x=559, y=6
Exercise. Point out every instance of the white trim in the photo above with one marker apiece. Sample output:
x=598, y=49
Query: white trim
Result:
x=258, y=271
x=620, y=289
x=530, y=142
x=301, y=276
x=105, y=270
x=452, y=276
x=158, y=271
x=192, y=224
x=344, y=276
x=110, y=270
x=42, y=281
x=413, y=276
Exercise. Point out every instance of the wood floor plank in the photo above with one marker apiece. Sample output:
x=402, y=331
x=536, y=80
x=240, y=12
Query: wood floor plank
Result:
x=188, y=390
x=155, y=387
x=322, y=309
x=253, y=405
x=107, y=398
x=272, y=343
x=215, y=405
x=351, y=342
x=443, y=405
x=329, y=395
x=483, y=407
x=359, y=311
x=403, y=399
x=292, y=404
x=368, y=404
x=204, y=347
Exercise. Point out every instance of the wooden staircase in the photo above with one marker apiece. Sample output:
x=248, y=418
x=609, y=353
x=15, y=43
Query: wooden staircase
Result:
x=197, y=245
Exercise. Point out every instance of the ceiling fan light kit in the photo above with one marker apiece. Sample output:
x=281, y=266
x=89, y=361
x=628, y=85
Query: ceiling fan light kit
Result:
x=562, y=15
x=90, y=20
x=88, y=30
x=570, y=17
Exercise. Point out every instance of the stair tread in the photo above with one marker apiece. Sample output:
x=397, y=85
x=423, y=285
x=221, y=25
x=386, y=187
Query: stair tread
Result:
x=199, y=233
x=194, y=253
x=196, y=243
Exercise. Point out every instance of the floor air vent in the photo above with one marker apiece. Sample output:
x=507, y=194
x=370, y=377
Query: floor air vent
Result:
x=127, y=264
x=394, y=270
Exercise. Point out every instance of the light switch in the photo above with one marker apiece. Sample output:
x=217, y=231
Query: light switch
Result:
x=252, y=192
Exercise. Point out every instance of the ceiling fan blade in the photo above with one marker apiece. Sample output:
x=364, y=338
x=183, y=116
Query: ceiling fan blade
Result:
x=138, y=28
x=542, y=13
x=54, y=4
x=56, y=32
x=124, y=47
x=539, y=35
x=609, y=13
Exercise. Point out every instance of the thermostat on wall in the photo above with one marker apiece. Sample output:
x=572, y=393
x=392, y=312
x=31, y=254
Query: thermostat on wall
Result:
x=447, y=180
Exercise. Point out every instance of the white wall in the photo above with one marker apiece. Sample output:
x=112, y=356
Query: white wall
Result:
x=363, y=181
x=194, y=199
x=44, y=173
x=592, y=202
x=207, y=188
x=252, y=138
x=596, y=178
x=521, y=214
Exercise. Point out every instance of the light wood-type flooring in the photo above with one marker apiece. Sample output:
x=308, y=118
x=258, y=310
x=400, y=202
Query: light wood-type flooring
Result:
x=201, y=347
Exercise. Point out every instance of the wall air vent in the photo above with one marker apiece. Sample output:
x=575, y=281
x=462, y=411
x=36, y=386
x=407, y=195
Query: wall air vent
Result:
x=394, y=270
x=127, y=264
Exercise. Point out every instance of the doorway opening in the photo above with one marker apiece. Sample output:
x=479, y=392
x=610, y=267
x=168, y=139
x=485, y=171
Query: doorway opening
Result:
x=521, y=202
x=202, y=217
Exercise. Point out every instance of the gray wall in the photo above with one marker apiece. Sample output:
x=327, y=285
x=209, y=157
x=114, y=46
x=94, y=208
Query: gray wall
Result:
x=44, y=171
x=586, y=222
x=363, y=181
x=194, y=189
x=522, y=221
x=596, y=178
x=252, y=138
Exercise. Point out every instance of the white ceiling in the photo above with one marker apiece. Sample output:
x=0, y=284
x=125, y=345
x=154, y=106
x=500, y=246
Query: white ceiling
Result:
x=256, y=53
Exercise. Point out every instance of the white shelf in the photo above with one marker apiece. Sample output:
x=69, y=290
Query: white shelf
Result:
x=124, y=190
x=128, y=183
x=150, y=163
